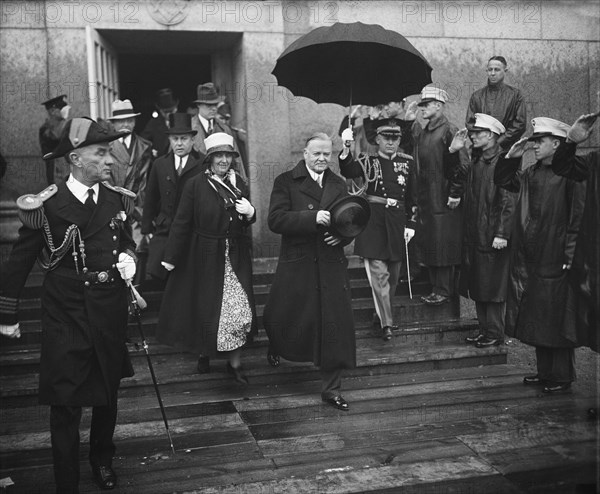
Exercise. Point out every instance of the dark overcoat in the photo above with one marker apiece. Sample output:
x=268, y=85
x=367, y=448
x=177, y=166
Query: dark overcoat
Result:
x=548, y=216
x=191, y=306
x=156, y=132
x=160, y=205
x=488, y=212
x=308, y=315
x=383, y=238
x=83, y=351
x=583, y=308
x=440, y=228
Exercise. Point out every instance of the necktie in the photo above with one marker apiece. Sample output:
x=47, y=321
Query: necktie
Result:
x=210, y=127
x=179, y=165
x=320, y=180
x=89, y=202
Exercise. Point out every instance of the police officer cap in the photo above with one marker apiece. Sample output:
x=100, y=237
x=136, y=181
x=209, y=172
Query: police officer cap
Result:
x=432, y=93
x=58, y=102
x=487, y=122
x=81, y=132
x=349, y=216
x=544, y=126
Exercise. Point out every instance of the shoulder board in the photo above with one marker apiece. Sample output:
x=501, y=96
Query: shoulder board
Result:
x=120, y=190
x=29, y=202
x=406, y=156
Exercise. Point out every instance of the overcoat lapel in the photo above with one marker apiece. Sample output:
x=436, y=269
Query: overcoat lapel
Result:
x=332, y=190
x=308, y=185
x=120, y=153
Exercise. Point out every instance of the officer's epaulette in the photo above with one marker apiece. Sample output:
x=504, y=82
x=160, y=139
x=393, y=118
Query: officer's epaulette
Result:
x=127, y=197
x=403, y=155
x=31, y=207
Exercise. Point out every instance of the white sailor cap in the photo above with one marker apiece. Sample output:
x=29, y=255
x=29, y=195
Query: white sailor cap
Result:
x=544, y=126
x=487, y=122
x=432, y=93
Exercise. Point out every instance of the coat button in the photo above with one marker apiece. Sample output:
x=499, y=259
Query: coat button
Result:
x=114, y=252
x=115, y=238
x=310, y=206
x=87, y=283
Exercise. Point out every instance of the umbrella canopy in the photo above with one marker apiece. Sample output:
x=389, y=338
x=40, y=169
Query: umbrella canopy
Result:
x=352, y=64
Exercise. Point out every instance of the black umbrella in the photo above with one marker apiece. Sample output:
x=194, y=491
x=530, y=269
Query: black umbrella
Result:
x=352, y=63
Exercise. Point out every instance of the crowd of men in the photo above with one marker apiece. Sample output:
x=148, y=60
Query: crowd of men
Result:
x=523, y=243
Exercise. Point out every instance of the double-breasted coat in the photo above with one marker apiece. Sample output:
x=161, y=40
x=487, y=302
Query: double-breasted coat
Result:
x=191, y=306
x=440, y=228
x=83, y=350
x=547, y=219
x=488, y=212
x=383, y=237
x=583, y=308
x=160, y=205
x=308, y=315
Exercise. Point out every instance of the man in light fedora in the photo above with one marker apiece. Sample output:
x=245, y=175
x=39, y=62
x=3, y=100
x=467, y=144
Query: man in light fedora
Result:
x=156, y=128
x=206, y=122
x=168, y=175
x=132, y=156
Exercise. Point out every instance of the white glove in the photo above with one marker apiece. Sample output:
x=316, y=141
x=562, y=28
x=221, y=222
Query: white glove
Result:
x=168, y=266
x=347, y=135
x=243, y=206
x=126, y=266
x=409, y=233
x=323, y=218
x=453, y=202
x=10, y=330
x=64, y=112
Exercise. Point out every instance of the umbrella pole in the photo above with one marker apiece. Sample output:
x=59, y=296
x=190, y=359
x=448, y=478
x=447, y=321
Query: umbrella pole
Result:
x=408, y=270
x=137, y=313
x=350, y=110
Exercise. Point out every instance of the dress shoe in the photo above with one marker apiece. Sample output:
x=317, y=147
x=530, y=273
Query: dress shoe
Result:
x=485, y=342
x=424, y=298
x=387, y=333
x=105, y=477
x=337, y=402
x=473, y=339
x=203, y=365
x=237, y=373
x=533, y=380
x=556, y=387
x=273, y=359
x=436, y=299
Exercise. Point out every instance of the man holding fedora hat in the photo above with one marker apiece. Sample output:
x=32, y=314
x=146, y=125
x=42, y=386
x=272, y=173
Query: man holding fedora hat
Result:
x=548, y=216
x=389, y=184
x=78, y=232
x=207, y=123
x=132, y=155
x=168, y=175
x=156, y=128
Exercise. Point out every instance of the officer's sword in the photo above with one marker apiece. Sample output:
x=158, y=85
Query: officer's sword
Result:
x=408, y=268
x=137, y=304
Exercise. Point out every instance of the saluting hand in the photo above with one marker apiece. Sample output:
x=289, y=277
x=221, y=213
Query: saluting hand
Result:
x=582, y=128
x=459, y=141
x=411, y=111
x=518, y=148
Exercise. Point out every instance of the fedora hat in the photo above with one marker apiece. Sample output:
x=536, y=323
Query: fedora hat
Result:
x=165, y=99
x=207, y=94
x=180, y=123
x=219, y=142
x=349, y=216
x=122, y=109
x=80, y=132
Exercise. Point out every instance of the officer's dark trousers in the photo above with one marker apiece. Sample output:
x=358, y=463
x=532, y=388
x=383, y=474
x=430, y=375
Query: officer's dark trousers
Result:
x=64, y=431
x=556, y=365
x=331, y=383
x=442, y=280
x=491, y=319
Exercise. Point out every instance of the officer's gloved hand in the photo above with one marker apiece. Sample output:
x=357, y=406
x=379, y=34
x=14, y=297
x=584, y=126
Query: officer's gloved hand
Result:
x=347, y=136
x=10, y=330
x=126, y=266
x=409, y=233
x=168, y=266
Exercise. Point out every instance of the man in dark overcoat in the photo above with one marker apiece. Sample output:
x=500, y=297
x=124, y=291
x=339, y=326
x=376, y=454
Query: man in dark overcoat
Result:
x=389, y=181
x=548, y=216
x=440, y=213
x=50, y=132
x=583, y=308
x=79, y=233
x=168, y=176
x=488, y=223
x=308, y=315
x=156, y=128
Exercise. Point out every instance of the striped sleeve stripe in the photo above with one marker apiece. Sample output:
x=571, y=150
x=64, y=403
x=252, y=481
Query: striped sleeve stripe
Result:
x=8, y=305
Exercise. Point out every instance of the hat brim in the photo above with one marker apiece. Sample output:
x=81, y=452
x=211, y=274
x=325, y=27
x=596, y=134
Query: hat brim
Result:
x=349, y=216
x=208, y=101
x=176, y=131
x=65, y=146
x=126, y=115
x=544, y=134
x=423, y=102
x=221, y=149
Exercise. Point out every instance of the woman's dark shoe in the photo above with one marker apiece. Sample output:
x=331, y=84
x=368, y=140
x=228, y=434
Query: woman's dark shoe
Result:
x=203, y=364
x=556, y=387
x=273, y=359
x=237, y=373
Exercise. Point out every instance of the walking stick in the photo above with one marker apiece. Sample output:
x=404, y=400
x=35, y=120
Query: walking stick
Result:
x=408, y=269
x=137, y=304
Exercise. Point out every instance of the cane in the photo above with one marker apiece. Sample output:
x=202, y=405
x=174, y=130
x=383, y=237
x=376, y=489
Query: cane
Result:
x=408, y=269
x=138, y=303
